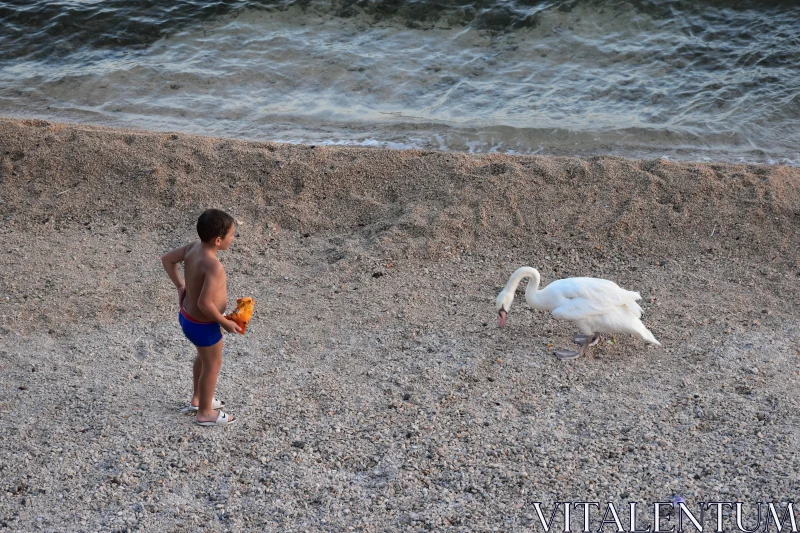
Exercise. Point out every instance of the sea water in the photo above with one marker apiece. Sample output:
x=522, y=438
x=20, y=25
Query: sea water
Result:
x=687, y=80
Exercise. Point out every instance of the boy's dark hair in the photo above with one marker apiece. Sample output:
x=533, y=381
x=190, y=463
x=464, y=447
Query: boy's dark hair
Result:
x=213, y=223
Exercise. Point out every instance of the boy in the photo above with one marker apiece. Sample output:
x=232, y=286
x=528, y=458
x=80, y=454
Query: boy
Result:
x=203, y=299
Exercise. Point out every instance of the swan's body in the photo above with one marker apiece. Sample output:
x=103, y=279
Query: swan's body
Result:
x=594, y=305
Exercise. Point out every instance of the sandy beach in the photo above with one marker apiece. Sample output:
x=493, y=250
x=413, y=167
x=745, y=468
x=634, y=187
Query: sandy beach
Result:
x=373, y=389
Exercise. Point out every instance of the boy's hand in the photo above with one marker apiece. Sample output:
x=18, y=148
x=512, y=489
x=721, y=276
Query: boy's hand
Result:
x=230, y=326
x=181, y=295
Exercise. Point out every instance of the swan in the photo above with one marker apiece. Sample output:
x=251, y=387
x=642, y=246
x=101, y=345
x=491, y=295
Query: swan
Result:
x=595, y=305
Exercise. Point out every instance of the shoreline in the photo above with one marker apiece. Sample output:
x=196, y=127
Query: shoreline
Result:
x=373, y=389
x=567, y=143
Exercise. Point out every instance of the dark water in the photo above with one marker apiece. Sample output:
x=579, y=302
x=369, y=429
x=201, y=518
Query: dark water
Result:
x=686, y=80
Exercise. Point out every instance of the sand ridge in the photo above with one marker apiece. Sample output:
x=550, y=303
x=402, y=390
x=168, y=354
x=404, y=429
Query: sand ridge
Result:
x=374, y=389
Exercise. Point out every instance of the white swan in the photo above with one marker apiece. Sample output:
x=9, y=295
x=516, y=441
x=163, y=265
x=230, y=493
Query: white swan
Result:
x=595, y=305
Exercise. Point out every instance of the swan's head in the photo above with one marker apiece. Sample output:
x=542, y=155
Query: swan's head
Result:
x=503, y=305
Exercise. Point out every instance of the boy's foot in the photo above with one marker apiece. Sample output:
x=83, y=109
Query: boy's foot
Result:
x=215, y=404
x=222, y=420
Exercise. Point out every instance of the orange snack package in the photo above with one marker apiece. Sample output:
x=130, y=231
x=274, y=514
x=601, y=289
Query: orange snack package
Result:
x=243, y=312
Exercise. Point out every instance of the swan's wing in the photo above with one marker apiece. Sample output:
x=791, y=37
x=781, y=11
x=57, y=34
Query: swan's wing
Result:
x=578, y=309
x=600, y=291
x=634, y=308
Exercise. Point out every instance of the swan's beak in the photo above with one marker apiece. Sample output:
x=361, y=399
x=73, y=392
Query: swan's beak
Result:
x=502, y=322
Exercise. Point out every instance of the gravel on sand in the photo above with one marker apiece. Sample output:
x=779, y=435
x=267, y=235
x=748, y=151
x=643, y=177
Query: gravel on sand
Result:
x=373, y=389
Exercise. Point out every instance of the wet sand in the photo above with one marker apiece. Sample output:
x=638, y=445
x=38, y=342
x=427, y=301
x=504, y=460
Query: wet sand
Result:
x=373, y=389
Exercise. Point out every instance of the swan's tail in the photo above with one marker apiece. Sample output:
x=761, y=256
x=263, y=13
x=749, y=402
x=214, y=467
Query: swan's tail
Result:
x=647, y=336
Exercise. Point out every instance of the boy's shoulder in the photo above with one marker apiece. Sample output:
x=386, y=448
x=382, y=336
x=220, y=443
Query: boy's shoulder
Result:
x=196, y=255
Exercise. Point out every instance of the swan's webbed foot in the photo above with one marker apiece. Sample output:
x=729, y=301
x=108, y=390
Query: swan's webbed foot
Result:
x=566, y=355
x=584, y=341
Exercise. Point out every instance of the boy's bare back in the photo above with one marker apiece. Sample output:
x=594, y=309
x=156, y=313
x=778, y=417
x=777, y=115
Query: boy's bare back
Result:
x=203, y=294
x=203, y=272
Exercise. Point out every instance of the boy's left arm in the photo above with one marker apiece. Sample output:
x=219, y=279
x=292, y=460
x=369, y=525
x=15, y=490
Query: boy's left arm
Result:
x=170, y=262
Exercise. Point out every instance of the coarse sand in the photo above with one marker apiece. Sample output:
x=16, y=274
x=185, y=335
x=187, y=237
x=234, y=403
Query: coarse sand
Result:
x=373, y=389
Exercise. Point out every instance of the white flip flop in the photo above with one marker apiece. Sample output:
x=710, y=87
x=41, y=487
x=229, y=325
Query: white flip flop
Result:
x=222, y=420
x=215, y=404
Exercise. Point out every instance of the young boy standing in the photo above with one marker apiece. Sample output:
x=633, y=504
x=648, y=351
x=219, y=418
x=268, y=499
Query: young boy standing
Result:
x=203, y=299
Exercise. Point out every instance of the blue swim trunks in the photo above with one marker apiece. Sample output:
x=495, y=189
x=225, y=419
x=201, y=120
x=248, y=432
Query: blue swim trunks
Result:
x=199, y=333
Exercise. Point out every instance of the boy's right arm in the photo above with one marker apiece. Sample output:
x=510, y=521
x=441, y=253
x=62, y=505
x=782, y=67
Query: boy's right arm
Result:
x=170, y=262
x=214, y=283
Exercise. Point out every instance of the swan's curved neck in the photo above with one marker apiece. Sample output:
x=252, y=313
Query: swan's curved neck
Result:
x=533, y=285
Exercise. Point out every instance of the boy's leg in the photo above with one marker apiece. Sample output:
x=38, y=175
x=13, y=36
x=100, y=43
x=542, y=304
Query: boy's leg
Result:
x=211, y=361
x=197, y=369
